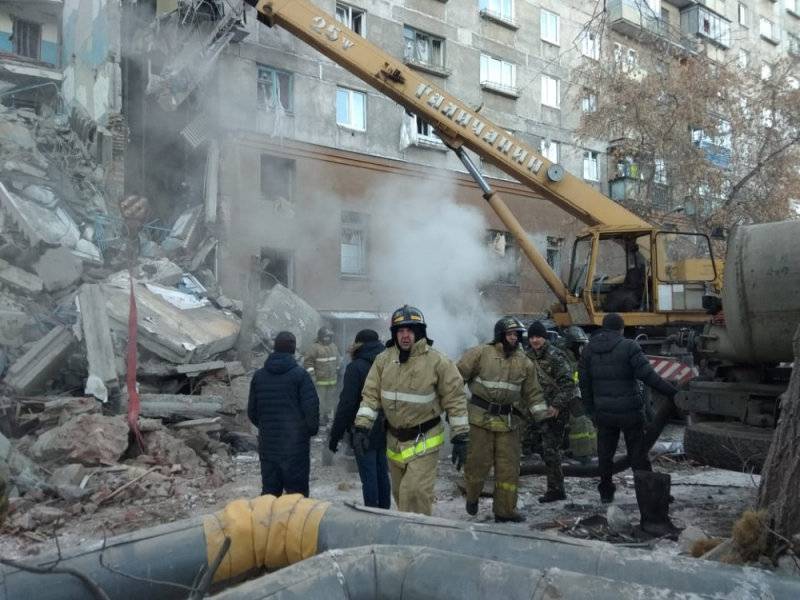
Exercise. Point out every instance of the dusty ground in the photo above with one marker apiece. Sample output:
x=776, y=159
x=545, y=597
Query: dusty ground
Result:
x=706, y=498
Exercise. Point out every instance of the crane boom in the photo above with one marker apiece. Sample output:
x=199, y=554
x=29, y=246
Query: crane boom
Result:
x=456, y=123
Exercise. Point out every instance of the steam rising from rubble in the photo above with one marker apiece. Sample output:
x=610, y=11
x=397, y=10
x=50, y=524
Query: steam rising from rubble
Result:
x=430, y=252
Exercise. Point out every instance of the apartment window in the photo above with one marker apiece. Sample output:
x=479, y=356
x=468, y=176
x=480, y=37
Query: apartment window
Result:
x=498, y=73
x=743, y=59
x=353, y=246
x=714, y=27
x=744, y=17
x=351, y=109
x=425, y=131
x=589, y=102
x=793, y=6
x=631, y=59
x=590, y=46
x=794, y=44
x=551, y=91
x=553, y=256
x=352, y=17
x=549, y=150
x=27, y=37
x=766, y=71
x=503, y=9
x=423, y=48
x=505, y=251
x=274, y=88
x=549, y=27
x=768, y=30
x=590, y=172
x=660, y=171
x=767, y=118
x=277, y=178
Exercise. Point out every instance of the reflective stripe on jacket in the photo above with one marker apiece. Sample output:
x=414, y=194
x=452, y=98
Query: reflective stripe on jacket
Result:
x=410, y=393
x=501, y=380
x=322, y=362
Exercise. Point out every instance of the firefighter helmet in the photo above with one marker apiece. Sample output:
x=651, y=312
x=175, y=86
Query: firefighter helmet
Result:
x=406, y=316
x=505, y=325
x=324, y=332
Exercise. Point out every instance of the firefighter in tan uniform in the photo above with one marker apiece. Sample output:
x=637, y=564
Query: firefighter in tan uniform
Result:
x=322, y=362
x=505, y=388
x=413, y=384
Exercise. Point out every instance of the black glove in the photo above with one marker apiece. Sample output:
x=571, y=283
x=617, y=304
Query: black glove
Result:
x=459, y=456
x=360, y=441
x=333, y=445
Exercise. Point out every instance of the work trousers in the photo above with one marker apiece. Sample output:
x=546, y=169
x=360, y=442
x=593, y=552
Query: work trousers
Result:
x=413, y=481
x=609, y=428
x=552, y=432
x=373, y=469
x=327, y=402
x=498, y=449
x=287, y=473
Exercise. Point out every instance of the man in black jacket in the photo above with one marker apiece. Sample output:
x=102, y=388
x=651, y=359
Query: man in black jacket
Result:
x=284, y=406
x=372, y=465
x=608, y=371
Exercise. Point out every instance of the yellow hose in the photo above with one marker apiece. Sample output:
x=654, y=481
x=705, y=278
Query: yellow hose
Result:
x=265, y=532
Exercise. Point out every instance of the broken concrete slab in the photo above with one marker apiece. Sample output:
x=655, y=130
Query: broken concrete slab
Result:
x=37, y=223
x=41, y=194
x=161, y=271
x=195, y=369
x=33, y=370
x=71, y=474
x=25, y=474
x=15, y=320
x=88, y=252
x=179, y=336
x=16, y=166
x=19, y=280
x=179, y=407
x=208, y=424
x=88, y=439
x=166, y=449
x=97, y=337
x=59, y=268
x=281, y=309
x=13, y=132
x=185, y=230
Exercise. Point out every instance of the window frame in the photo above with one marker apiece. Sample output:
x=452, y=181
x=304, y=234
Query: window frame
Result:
x=485, y=71
x=431, y=39
x=494, y=8
x=743, y=54
x=512, y=277
x=591, y=159
x=545, y=78
x=743, y=14
x=359, y=226
x=21, y=32
x=545, y=146
x=350, y=9
x=774, y=35
x=276, y=95
x=288, y=169
x=589, y=101
x=350, y=93
x=590, y=45
x=544, y=26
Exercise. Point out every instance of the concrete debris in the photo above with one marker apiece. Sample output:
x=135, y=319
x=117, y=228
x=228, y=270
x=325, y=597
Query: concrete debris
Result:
x=15, y=320
x=97, y=339
x=281, y=309
x=618, y=521
x=39, y=224
x=179, y=407
x=34, y=369
x=185, y=231
x=59, y=268
x=166, y=449
x=41, y=194
x=14, y=166
x=19, y=280
x=13, y=132
x=89, y=439
x=25, y=474
x=196, y=369
x=161, y=271
x=88, y=252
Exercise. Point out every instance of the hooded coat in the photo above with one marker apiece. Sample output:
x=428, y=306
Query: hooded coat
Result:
x=608, y=371
x=350, y=397
x=283, y=404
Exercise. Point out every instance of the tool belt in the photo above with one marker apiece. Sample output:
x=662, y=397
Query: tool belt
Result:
x=406, y=434
x=500, y=410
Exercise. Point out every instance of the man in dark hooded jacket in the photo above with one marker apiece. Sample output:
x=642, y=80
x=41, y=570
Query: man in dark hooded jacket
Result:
x=284, y=406
x=608, y=371
x=372, y=465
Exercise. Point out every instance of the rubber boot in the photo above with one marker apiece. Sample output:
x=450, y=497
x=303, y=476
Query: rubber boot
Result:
x=652, y=496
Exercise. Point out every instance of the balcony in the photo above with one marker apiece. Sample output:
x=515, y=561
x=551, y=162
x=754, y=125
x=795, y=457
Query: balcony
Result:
x=633, y=18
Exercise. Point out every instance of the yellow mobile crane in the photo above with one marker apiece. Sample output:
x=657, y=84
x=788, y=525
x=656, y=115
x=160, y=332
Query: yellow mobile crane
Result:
x=620, y=263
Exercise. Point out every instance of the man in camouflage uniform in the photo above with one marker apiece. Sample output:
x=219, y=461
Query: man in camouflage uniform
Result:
x=504, y=388
x=556, y=380
x=322, y=362
x=413, y=384
x=582, y=438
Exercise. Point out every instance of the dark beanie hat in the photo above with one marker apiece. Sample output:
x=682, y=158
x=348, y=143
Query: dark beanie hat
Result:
x=366, y=335
x=537, y=329
x=613, y=322
x=285, y=342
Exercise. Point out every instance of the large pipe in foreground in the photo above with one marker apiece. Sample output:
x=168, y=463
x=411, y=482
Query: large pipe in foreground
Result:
x=401, y=572
x=273, y=533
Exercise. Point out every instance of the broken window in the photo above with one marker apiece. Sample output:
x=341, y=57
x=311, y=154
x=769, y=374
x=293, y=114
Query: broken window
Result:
x=554, y=245
x=274, y=88
x=277, y=178
x=351, y=109
x=27, y=37
x=352, y=17
x=276, y=266
x=423, y=48
x=503, y=249
x=549, y=150
x=353, y=249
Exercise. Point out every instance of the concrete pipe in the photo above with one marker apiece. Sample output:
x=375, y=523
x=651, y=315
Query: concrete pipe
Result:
x=269, y=533
x=759, y=293
x=405, y=572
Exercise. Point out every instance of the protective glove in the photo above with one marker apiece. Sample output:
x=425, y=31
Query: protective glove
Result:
x=460, y=444
x=360, y=441
x=333, y=445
